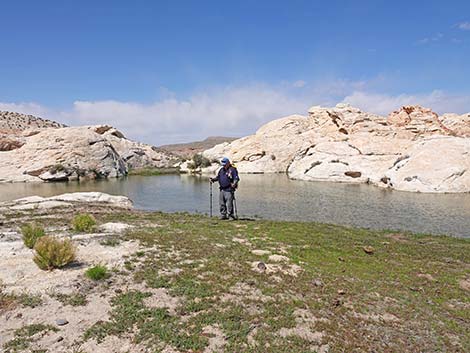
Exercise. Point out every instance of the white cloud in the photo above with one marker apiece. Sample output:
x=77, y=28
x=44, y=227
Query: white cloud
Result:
x=383, y=104
x=233, y=110
x=465, y=26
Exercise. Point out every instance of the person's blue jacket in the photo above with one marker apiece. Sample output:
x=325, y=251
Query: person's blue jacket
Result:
x=227, y=178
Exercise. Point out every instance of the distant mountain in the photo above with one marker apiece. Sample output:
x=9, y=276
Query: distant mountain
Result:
x=187, y=150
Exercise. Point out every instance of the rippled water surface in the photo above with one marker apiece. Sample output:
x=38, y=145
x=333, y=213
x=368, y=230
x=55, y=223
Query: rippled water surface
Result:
x=277, y=197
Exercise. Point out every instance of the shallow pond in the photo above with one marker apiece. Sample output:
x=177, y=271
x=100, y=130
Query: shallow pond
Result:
x=277, y=197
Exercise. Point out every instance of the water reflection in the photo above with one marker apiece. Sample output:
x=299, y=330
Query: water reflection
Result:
x=277, y=197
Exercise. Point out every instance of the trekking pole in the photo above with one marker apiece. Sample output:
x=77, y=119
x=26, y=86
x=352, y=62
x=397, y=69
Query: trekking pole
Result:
x=235, y=205
x=210, y=212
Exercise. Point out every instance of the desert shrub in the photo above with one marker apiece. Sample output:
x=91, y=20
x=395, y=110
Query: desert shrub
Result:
x=56, y=169
x=83, y=223
x=31, y=233
x=199, y=161
x=97, y=272
x=8, y=301
x=53, y=253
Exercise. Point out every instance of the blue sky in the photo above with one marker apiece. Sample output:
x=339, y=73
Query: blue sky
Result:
x=167, y=71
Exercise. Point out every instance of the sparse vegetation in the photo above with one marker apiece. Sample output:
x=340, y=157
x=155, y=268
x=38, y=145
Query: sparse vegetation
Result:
x=30, y=300
x=7, y=301
x=53, y=253
x=326, y=288
x=97, y=273
x=153, y=171
x=31, y=232
x=74, y=299
x=24, y=337
x=57, y=169
x=83, y=223
x=110, y=242
x=199, y=161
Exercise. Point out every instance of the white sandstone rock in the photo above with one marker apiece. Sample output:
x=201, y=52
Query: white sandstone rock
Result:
x=65, y=200
x=344, y=144
x=439, y=164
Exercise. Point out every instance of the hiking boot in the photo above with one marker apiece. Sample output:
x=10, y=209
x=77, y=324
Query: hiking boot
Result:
x=232, y=217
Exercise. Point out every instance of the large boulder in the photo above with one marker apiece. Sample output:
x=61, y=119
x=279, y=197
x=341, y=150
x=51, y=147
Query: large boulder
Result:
x=66, y=200
x=58, y=154
x=345, y=144
x=438, y=164
x=136, y=155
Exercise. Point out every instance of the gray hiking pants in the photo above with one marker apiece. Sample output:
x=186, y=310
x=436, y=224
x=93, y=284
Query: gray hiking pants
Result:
x=226, y=203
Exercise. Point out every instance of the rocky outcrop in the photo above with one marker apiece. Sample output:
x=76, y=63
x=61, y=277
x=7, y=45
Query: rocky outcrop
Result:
x=12, y=121
x=62, y=154
x=66, y=200
x=345, y=144
x=135, y=155
x=49, y=152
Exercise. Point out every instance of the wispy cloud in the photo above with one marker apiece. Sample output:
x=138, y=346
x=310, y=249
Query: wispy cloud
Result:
x=437, y=37
x=464, y=26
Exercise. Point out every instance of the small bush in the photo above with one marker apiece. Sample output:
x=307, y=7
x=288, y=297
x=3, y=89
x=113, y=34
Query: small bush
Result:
x=53, y=253
x=31, y=233
x=199, y=161
x=97, y=272
x=83, y=223
x=57, y=169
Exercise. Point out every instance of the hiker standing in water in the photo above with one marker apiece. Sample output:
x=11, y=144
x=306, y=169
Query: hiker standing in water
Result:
x=228, y=181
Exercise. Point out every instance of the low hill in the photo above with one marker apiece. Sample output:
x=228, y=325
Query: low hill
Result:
x=188, y=150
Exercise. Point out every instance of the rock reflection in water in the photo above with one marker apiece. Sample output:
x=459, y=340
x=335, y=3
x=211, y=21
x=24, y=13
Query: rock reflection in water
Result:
x=277, y=197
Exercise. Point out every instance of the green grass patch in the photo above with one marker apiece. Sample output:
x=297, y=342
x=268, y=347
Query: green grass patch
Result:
x=97, y=273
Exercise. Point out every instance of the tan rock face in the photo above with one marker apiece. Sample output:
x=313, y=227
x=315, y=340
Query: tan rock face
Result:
x=344, y=144
x=35, y=149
